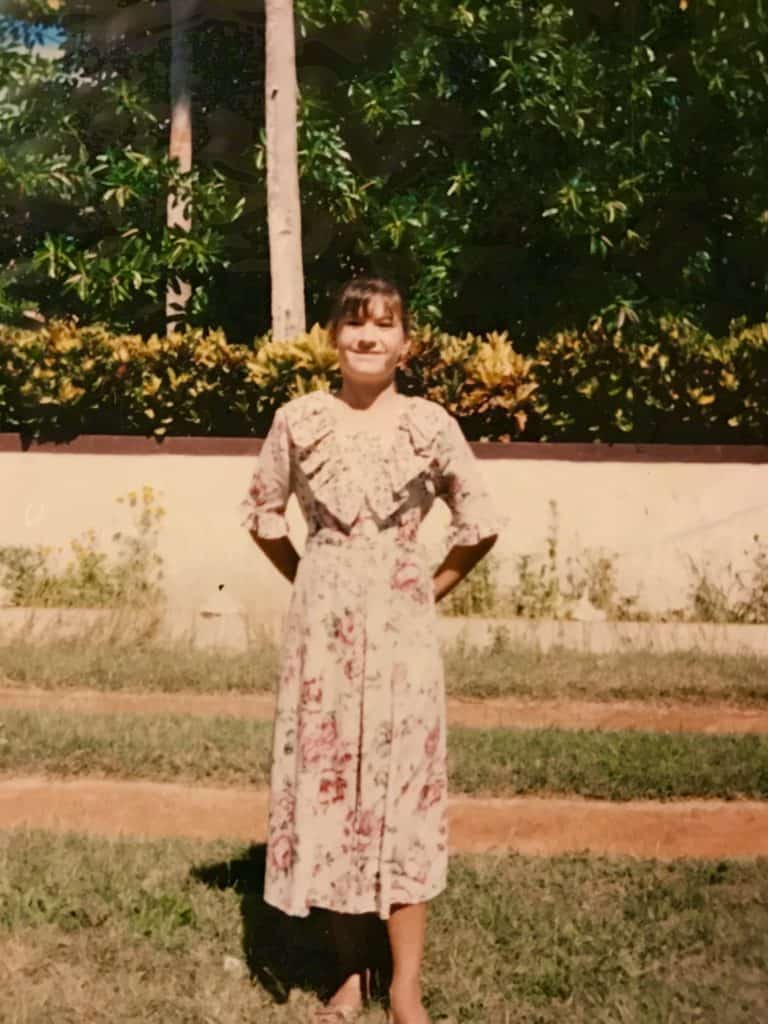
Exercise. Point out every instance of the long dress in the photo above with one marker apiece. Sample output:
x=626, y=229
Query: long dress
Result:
x=358, y=787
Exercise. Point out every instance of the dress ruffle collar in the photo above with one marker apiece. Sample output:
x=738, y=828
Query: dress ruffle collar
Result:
x=342, y=483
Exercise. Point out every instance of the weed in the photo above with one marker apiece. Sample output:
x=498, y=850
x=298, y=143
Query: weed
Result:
x=593, y=575
x=740, y=597
x=539, y=590
x=91, y=578
x=477, y=594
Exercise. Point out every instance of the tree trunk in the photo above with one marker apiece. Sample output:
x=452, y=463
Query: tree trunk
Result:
x=182, y=11
x=283, y=201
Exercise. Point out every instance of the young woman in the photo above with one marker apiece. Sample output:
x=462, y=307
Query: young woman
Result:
x=358, y=795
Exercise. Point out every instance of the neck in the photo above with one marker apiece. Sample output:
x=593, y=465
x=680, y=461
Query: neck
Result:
x=362, y=395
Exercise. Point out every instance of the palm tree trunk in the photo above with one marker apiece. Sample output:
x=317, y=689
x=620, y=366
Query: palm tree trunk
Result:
x=182, y=11
x=283, y=199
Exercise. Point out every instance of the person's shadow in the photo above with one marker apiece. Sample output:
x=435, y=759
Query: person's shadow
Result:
x=284, y=952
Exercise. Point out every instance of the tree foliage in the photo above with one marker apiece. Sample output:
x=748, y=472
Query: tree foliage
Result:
x=518, y=166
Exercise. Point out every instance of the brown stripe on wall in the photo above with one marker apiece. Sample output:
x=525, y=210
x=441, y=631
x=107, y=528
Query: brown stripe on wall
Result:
x=116, y=444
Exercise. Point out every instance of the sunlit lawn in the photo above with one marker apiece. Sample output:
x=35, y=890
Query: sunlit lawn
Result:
x=176, y=931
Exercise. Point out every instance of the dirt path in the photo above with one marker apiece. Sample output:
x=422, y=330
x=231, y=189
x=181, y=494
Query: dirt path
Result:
x=529, y=825
x=506, y=713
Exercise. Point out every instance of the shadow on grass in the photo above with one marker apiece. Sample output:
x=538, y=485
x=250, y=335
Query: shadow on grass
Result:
x=284, y=952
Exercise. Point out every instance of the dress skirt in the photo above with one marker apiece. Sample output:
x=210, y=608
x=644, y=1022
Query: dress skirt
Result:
x=358, y=791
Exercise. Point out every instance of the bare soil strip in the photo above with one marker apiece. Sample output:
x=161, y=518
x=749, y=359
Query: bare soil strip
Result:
x=528, y=825
x=510, y=713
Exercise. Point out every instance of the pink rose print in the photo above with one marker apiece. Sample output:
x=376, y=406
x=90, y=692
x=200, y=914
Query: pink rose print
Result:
x=408, y=579
x=318, y=745
x=344, y=627
x=415, y=868
x=341, y=758
x=368, y=827
x=430, y=743
x=285, y=805
x=407, y=575
x=332, y=787
x=430, y=794
x=311, y=691
x=282, y=852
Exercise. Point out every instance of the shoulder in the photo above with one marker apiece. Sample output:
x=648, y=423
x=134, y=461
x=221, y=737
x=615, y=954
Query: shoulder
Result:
x=432, y=413
x=428, y=412
x=302, y=404
x=428, y=421
x=307, y=417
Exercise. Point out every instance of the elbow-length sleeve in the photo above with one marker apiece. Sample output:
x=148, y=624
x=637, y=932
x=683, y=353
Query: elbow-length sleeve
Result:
x=474, y=516
x=270, y=487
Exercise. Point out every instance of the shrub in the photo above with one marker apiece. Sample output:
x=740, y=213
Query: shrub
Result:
x=481, y=380
x=644, y=382
x=650, y=382
x=281, y=370
x=65, y=380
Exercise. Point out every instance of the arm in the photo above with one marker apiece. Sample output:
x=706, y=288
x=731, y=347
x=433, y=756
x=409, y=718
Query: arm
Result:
x=474, y=523
x=459, y=561
x=268, y=494
x=281, y=553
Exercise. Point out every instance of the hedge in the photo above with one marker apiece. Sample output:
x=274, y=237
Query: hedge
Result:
x=655, y=381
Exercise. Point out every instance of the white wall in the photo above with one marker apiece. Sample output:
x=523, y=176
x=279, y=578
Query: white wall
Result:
x=652, y=515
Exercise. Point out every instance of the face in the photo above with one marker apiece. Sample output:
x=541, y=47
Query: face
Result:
x=371, y=347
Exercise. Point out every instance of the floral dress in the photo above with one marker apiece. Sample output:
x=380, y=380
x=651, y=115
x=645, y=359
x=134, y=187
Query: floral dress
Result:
x=358, y=796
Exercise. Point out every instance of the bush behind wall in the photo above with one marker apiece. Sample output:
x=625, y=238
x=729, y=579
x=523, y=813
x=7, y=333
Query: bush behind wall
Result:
x=650, y=381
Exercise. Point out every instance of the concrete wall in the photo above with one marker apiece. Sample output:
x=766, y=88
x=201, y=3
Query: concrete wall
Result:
x=653, y=509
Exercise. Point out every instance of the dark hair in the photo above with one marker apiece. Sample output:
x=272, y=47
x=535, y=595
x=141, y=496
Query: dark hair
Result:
x=354, y=298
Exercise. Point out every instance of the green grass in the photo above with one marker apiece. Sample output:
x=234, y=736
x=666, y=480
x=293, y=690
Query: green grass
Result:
x=607, y=765
x=65, y=664
x=504, y=670
x=498, y=671
x=123, y=931
x=610, y=765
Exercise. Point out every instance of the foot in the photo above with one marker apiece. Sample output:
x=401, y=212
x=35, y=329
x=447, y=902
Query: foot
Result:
x=405, y=1006
x=335, y=1015
x=349, y=995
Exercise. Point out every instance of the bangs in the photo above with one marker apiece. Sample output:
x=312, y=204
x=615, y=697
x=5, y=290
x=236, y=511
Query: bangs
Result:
x=357, y=297
x=361, y=306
